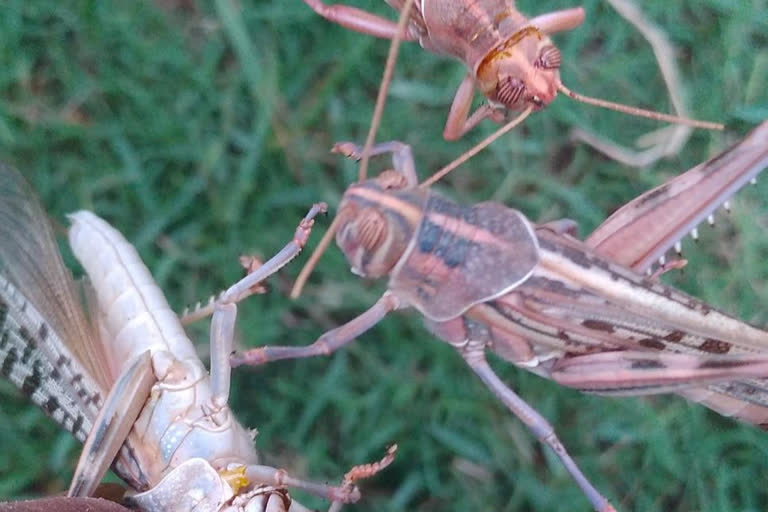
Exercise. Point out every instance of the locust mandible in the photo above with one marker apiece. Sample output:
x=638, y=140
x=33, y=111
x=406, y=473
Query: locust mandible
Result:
x=129, y=384
x=585, y=314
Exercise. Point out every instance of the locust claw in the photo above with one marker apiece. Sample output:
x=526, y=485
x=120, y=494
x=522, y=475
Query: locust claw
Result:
x=348, y=149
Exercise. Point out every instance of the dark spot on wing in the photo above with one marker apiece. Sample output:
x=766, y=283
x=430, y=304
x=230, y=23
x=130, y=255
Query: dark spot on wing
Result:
x=647, y=364
x=77, y=426
x=33, y=381
x=30, y=345
x=651, y=343
x=723, y=364
x=51, y=405
x=3, y=312
x=9, y=362
x=598, y=325
x=715, y=346
x=674, y=336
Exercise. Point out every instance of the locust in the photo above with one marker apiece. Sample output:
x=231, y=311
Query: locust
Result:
x=591, y=315
x=510, y=59
x=128, y=382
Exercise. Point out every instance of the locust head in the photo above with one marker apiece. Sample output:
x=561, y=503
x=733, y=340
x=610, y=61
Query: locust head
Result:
x=523, y=71
x=377, y=220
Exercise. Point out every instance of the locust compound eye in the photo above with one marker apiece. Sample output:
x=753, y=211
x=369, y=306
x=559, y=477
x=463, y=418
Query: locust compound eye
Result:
x=362, y=237
x=372, y=229
x=510, y=90
x=549, y=58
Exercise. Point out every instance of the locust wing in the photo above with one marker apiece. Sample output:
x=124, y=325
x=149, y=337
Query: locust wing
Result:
x=643, y=230
x=47, y=348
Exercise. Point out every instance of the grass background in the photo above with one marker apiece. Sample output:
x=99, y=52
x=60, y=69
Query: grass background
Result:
x=201, y=130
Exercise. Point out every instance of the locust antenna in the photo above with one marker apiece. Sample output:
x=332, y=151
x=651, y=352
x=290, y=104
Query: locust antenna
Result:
x=639, y=112
x=477, y=148
x=381, y=100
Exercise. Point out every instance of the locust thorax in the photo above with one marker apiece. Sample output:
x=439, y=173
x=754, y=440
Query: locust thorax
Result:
x=373, y=231
x=523, y=71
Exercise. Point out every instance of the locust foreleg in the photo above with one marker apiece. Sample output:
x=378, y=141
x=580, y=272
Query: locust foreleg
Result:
x=328, y=342
x=224, y=309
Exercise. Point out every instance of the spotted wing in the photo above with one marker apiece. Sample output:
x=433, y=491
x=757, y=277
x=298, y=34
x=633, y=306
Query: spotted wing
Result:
x=47, y=347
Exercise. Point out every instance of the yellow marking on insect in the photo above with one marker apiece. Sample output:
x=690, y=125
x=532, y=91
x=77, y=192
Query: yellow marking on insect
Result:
x=387, y=200
x=235, y=478
x=503, y=50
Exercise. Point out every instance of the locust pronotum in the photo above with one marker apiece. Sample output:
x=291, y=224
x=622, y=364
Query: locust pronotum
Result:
x=130, y=385
x=510, y=59
x=584, y=314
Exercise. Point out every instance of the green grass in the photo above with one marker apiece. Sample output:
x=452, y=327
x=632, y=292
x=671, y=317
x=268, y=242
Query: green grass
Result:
x=203, y=135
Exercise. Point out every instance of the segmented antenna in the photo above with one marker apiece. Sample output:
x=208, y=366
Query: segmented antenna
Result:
x=639, y=112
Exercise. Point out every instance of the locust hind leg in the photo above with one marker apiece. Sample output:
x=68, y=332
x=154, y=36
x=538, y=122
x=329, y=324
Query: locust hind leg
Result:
x=122, y=406
x=473, y=354
x=643, y=230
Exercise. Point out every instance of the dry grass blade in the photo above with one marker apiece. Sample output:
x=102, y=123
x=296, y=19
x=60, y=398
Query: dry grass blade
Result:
x=666, y=141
